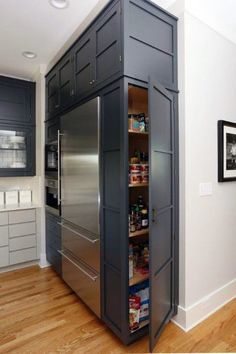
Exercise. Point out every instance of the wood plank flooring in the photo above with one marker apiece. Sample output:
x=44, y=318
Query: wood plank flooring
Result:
x=40, y=314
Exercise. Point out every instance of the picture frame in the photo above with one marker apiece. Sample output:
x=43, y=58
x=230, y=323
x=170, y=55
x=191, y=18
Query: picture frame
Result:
x=226, y=151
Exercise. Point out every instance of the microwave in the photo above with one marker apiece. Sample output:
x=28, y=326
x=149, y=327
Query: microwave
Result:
x=51, y=158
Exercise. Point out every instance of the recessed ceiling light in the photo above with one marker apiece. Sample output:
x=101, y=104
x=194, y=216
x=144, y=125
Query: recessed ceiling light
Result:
x=29, y=55
x=59, y=4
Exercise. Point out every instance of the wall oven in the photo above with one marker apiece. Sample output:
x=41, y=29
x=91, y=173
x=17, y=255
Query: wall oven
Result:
x=51, y=159
x=52, y=195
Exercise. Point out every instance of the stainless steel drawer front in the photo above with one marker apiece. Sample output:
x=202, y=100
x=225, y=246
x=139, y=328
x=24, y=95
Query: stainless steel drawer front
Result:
x=81, y=246
x=82, y=280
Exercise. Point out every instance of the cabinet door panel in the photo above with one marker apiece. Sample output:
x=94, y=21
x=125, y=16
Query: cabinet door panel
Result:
x=82, y=53
x=65, y=81
x=17, y=150
x=161, y=199
x=108, y=45
x=52, y=93
x=17, y=101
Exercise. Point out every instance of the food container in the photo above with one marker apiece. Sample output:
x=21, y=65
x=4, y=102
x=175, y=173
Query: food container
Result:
x=134, y=160
x=144, y=167
x=11, y=197
x=25, y=196
x=144, y=177
x=134, y=123
x=135, y=167
x=135, y=178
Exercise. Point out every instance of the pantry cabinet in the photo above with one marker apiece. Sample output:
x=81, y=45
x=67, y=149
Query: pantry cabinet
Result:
x=128, y=57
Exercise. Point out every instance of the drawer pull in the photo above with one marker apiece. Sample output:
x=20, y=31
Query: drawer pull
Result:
x=77, y=266
x=77, y=233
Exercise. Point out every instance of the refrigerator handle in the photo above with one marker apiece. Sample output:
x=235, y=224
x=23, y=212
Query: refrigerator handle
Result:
x=58, y=167
x=77, y=233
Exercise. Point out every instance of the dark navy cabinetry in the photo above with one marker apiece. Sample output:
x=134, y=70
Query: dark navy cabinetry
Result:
x=128, y=57
x=17, y=127
x=53, y=241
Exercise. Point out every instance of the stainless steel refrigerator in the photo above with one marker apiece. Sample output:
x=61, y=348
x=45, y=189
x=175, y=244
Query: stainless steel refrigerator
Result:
x=79, y=166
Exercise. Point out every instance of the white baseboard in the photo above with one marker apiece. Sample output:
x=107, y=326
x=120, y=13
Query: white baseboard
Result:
x=43, y=263
x=189, y=317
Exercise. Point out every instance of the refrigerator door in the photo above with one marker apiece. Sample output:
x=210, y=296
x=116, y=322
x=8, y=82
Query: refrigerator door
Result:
x=80, y=167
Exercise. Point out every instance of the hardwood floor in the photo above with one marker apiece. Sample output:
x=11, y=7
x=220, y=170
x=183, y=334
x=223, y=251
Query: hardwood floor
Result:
x=40, y=314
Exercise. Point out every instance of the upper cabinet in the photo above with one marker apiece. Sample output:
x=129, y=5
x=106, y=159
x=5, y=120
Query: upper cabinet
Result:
x=17, y=101
x=151, y=40
x=17, y=127
x=65, y=82
x=52, y=93
x=83, y=71
x=107, y=56
x=93, y=61
x=121, y=38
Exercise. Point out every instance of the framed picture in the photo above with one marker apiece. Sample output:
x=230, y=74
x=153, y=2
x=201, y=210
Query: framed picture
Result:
x=226, y=151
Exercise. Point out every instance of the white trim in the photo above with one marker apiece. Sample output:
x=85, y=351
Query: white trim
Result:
x=189, y=317
x=43, y=263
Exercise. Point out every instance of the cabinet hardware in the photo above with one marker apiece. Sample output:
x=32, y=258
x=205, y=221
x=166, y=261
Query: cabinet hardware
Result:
x=77, y=266
x=91, y=82
x=77, y=233
x=154, y=212
x=57, y=106
x=72, y=92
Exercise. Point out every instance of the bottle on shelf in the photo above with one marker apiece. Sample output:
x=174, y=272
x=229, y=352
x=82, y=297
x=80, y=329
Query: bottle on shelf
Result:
x=131, y=262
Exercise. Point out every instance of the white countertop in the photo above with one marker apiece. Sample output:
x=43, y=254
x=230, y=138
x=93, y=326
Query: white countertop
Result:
x=18, y=207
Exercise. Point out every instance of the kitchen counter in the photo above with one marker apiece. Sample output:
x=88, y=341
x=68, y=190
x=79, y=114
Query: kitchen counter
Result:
x=18, y=207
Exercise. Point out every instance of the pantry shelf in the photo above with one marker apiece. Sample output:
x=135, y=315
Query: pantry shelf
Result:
x=139, y=133
x=142, y=324
x=139, y=233
x=138, y=278
x=138, y=185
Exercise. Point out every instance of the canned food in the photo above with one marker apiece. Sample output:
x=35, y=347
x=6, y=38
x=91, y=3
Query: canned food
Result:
x=135, y=178
x=144, y=177
x=144, y=167
x=134, y=167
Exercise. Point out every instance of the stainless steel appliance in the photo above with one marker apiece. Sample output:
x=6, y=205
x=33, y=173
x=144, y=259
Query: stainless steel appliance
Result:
x=51, y=158
x=79, y=141
x=52, y=195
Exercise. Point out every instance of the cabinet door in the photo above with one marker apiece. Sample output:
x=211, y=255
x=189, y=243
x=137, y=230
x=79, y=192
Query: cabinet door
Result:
x=52, y=93
x=82, y=58
x=51, y=130
x=17, y=150
x=53, y=241
x=17, y=101
x=108, y=45
x=66, y=90
x=161, y=199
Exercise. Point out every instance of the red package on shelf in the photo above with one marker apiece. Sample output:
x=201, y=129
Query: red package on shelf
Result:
x=134, y=312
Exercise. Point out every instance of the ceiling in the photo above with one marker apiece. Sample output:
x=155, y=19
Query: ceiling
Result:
x=34, y=25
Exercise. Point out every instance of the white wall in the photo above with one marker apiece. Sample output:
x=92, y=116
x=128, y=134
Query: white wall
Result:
x=207, y=71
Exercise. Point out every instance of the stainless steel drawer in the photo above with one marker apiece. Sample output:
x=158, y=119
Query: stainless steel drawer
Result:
x=83, y=247
x=84, y=281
